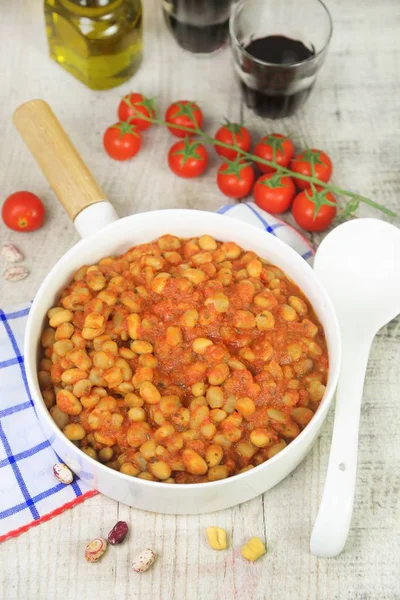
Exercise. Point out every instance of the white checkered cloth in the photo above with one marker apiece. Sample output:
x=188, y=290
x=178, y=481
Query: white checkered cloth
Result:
x=29, y=493
x=252, y=214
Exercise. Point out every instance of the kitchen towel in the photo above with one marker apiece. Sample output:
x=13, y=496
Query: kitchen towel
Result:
x=29, y=493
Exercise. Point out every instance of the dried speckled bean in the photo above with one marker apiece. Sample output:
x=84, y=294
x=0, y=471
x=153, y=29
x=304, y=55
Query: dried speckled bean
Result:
x=11, y=253
x=118, y=533
x=144, y=560
x=63, y=473
x=95, y=550
x=15, y=273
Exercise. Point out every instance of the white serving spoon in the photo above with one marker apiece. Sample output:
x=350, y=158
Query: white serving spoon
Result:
x=359, y=264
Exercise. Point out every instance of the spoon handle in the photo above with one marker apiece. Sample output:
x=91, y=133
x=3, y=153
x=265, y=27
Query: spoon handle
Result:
x=332, y=525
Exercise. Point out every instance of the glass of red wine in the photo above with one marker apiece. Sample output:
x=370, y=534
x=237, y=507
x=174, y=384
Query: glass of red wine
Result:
x=278, y=48
x=200, y=26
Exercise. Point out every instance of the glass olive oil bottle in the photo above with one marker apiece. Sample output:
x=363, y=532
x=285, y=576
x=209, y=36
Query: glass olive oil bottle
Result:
x=98, y=41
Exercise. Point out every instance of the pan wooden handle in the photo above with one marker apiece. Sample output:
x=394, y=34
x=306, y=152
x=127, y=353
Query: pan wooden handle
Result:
x=71, y=180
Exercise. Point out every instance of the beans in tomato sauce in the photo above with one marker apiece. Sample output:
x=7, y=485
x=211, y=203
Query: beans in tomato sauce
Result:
x=182, y=360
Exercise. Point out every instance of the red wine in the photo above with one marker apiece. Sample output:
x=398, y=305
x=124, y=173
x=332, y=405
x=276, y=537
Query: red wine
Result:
x=277, y=89
x=200, y=26
x=200, y=40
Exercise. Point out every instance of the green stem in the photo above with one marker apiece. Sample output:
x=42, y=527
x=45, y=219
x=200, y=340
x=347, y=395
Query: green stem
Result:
x=312, y=179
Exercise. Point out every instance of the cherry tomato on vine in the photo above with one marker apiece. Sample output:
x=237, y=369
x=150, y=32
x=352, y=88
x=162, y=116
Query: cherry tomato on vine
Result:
x=314, y=163
x=23, y=211
x=234, y=134
x=185, y=114
x=132, y=106
x=235, y=178
x=188, y=158
x=122, y=141
x=274, y=147
x=274, y=193
x=314, y=209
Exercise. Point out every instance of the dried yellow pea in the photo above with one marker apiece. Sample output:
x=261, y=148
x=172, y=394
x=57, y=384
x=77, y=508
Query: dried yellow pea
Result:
x=216, y=537
x=253, y=549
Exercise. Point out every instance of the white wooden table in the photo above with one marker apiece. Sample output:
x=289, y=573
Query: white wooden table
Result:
x=354, y=114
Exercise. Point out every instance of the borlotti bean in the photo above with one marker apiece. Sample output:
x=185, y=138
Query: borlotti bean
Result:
x=144, y=560
x=63, y=473
x=95, y=550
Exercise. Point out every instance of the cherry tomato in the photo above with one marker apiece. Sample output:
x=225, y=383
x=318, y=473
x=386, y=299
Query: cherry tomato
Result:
x=185, y=114
x=132, y=106
x=311, y=162
x=274, y=147
x=122, y=141
x=314, y=210
x=234, y=134
x=274, y=193
x=235, y=179
x=23, y=211
x=188, y=158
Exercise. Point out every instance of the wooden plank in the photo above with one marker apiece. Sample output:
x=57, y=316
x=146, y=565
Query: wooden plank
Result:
x=353, y=113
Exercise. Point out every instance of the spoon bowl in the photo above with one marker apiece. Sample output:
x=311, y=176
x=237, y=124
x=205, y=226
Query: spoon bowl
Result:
x=359, y=264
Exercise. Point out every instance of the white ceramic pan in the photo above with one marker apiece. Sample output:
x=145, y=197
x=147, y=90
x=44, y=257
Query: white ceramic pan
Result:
x=103, y=234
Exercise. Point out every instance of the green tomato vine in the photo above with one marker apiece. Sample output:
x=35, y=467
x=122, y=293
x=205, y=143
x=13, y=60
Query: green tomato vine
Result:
x=354, y=199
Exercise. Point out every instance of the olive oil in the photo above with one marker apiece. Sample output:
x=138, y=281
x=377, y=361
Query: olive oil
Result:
x=97, y=41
